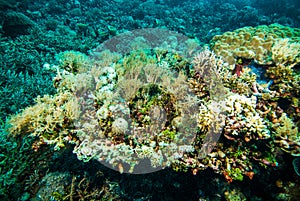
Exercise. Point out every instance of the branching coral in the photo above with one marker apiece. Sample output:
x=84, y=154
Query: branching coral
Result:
x=287, y=135
x=286, y=53
x=73, y=61
x=233, y=116
x=219, y=76
x=135, y=122
x=50, y=120
x=151, y=109
x=243, y=119
x=276, y=49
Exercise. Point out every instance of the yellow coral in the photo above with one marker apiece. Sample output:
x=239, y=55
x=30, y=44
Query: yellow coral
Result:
x=287, y=135
x=286, y=53
x=287, y=128
x=256, y=43
x=49, y=119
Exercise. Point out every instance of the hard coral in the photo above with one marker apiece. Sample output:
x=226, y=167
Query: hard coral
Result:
x=73, y=61
x=50, y=119
x=285, y=52
x=287, y=135
x=129, y=123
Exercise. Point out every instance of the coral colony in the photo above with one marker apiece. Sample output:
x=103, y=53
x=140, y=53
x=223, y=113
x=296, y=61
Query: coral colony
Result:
x=139, y=86
x=217, y=111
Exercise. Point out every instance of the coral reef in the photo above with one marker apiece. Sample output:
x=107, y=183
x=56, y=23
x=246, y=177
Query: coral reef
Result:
x=122, y=109
x=50, y=120
x=127, y=127
x=234, y=152
x=73, y=61
x=132, y=125
x=287, y=135
x=247, y=120
x=16, y=23
x=266, y=45
x=274, y=48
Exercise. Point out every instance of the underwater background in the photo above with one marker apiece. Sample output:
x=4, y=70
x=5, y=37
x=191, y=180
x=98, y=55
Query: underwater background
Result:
x=68, y=86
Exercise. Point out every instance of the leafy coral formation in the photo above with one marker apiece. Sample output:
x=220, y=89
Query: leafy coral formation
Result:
x=141, y=119
x=262, y=43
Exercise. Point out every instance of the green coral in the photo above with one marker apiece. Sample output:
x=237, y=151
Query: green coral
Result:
x=18, y=89
x=17, y=161
x=235, y=174
x=73, y=61
x=235, y=195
